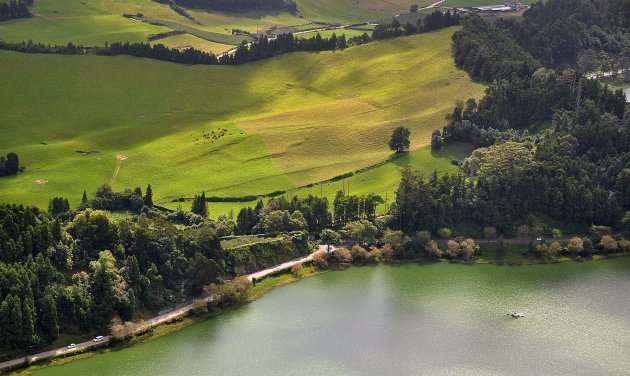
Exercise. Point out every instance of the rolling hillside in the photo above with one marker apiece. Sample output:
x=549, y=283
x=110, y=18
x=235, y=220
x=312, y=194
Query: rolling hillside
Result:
x=80, y=121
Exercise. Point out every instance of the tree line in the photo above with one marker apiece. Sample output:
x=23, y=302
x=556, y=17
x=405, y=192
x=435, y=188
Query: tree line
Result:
x=260, y=49
x=14, y=9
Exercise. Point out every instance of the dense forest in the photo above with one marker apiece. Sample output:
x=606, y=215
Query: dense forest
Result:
x=554, y=146
x=14, y=9
x=76, y=271
x=586, y=34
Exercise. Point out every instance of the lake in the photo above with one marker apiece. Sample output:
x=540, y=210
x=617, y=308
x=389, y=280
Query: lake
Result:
x=414, y=318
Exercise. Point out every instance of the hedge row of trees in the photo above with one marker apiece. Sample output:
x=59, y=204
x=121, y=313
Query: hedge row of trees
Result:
x=260, y=49
x=14, y=9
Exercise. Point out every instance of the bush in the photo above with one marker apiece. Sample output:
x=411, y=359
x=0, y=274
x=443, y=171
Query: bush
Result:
x=343, y=255
x=445, y=233
x=387, y=253
x=229, y=293
x=608, y=244
x=320, y=259
x=296, y=269
x=432, y=249
x=199, y=307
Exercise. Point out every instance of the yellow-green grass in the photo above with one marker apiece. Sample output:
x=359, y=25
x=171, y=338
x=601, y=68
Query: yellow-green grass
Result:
x=291, y=120
x=94, y=22
x=391, y=6
x=349, y=33
x=89, y=22
x=336, y=11
x=183, y=40
x=382, y=180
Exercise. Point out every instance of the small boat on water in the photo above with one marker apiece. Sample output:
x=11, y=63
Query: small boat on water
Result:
x=516, y=315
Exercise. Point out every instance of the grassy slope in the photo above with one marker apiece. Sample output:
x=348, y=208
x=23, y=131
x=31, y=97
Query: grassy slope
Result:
x=195, y=42
x=94, y=22
x=292, y=120
x=89, y=22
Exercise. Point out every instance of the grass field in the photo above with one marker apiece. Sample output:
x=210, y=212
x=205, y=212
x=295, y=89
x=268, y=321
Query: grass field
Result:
x=94, y=22
x=182, y=40
x=292, y=120
x=349, y=33
x=89, y=22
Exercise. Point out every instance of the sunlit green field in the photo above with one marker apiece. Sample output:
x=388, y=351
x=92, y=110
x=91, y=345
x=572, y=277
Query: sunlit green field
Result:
x=183, y=40
x=94, y=22
x=290, y=121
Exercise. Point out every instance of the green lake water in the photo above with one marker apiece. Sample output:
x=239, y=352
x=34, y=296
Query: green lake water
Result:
x=412, y=319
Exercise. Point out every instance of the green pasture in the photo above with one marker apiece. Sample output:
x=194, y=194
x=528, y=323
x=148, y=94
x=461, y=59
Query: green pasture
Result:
x=349, y=33
x=88, y=22
x=290, y=121
x=182, y=40
x=94, y=22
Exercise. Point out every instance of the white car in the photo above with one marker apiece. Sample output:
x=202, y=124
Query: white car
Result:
x=72, y=346
x=98, y=338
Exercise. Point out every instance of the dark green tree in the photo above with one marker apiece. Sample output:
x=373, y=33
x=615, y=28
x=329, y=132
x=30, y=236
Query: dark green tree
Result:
x=399, y=141
x=199, y=205
x=148, y=196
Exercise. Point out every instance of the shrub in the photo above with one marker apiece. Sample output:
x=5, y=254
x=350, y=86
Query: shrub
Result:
x=608, y=244
x=199, y=307
x=387, y=253
x=576, y=246
x=320, y=259
x=445, y=233
x=296, y=269
x=343, y=255
x=432, y=249
x=359, y=254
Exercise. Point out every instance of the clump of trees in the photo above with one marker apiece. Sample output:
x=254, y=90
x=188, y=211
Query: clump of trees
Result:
x=14, y=9
x=106, y=199
x=9, y=165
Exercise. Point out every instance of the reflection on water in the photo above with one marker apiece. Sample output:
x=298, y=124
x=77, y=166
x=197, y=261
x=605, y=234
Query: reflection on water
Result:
x=407, y=319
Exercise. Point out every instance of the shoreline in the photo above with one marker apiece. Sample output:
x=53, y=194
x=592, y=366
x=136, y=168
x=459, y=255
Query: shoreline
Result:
x=276, y=277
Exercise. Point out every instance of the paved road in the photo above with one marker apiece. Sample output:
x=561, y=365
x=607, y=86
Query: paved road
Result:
x=170, y=315
x=434, y=4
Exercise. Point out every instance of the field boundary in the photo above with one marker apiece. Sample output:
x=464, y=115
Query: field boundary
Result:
x=340, y=177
